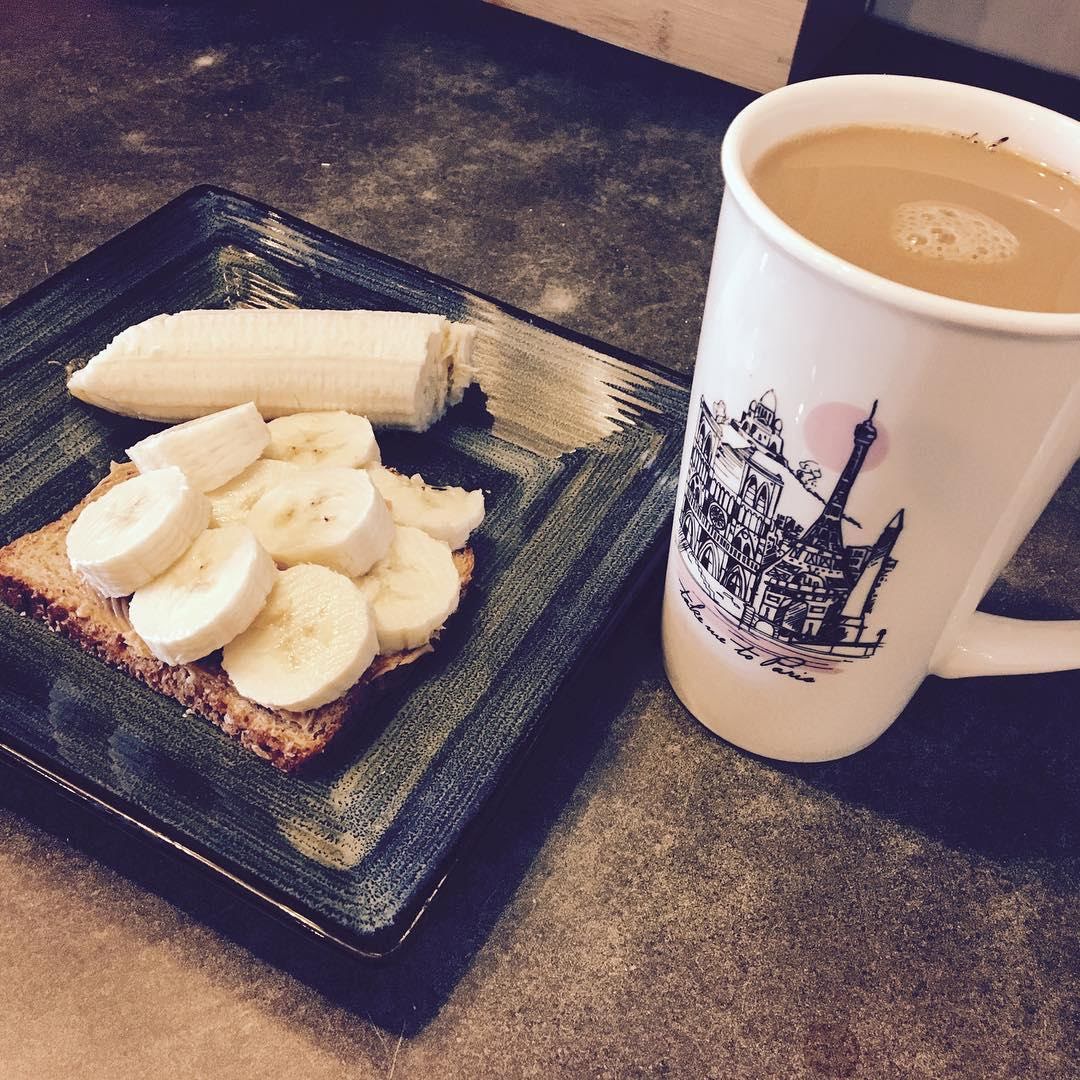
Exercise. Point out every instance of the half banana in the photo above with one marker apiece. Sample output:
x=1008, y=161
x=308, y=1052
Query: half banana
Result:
x=136, y=530
x=399, y=369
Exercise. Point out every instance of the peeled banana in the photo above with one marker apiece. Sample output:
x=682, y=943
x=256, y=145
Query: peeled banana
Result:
x=207, y=597
x=399, y=369
x=449, y=513
x=412, y=590
x=312, y=640
x=333, y=517
x=136, y=530
x=210, y=450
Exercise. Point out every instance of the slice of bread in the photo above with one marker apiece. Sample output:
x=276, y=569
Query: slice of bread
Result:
x=36, y=578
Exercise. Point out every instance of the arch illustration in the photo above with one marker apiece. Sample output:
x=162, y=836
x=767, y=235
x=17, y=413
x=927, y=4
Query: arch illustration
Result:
x=744, y=545
x=708, y=557
x=689, y=528
x=702, y=431
x=693, y=492
x=735, y=581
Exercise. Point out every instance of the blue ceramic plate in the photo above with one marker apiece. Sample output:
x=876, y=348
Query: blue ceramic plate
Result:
x=577, y=446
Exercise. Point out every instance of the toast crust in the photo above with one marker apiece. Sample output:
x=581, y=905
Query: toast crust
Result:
x=36, y=578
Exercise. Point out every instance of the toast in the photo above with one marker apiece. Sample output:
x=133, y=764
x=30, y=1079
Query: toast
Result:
x=36, y=578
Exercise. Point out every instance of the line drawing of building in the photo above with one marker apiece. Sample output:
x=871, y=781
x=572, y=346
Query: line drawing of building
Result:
x=770, y=552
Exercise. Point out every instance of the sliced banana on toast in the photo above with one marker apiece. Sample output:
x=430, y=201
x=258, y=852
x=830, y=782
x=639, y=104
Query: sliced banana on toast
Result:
x=413, y=590
x=135, y=531
x=210, y=450
x=312, y=640
x=323, y=439
x=366, y=551
x=207, y=597
x=332, y=516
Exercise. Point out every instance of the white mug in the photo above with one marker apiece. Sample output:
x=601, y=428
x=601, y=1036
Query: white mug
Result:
x=861, y=457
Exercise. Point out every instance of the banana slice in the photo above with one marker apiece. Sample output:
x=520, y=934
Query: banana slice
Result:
x=323, y=438
x=231, y=503
x=210, y=450
x=412, y=591
x=334, y=517
x=449, y=513
x=312, y=640
x=136, y=531
x=207, y=597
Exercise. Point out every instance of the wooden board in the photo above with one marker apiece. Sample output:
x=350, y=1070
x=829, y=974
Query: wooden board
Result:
x=752, y=43
x=748, y=42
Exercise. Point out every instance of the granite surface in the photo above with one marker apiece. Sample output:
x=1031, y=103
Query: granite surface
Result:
x=649, y=901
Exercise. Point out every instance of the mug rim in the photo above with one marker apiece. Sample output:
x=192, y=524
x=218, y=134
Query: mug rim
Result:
x=930, y=305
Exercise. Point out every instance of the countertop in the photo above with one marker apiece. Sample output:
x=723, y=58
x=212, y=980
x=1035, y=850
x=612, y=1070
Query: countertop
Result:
x=649, y=901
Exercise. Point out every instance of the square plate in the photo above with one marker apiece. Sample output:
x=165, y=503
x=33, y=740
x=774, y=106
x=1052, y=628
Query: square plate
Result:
x=577, y=446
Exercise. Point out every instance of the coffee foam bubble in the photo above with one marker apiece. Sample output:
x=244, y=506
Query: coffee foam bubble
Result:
x=951, y=233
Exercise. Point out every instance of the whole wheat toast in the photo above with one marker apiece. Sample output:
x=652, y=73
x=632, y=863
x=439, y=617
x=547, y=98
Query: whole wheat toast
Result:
x=36, y=578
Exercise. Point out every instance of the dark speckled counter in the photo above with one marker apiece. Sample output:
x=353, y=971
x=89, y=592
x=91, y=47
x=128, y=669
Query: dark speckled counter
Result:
x=649, y=902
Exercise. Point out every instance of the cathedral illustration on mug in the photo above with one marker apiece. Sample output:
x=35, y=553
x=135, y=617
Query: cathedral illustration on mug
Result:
x=767, y=549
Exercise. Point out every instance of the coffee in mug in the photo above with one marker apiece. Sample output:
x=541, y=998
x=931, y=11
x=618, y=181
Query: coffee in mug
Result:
x=946, y=212
x=864, y=451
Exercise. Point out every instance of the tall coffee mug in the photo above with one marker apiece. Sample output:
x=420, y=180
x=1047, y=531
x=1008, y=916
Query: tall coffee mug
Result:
x=861, y=457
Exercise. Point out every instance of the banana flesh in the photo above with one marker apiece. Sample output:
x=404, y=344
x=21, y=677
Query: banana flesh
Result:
x=332, y=516
x=399, y=369
x=209, y=595
x=320, y=439
x=413, y=590
x=210, y=450
x=231, y=503
x=312, y=640
x=449, y=513
x=367, y=550
x=331, y=439
x=136, y=530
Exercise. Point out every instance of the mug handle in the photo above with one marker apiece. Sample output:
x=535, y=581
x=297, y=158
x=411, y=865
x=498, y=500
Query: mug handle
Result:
x=995, y=645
